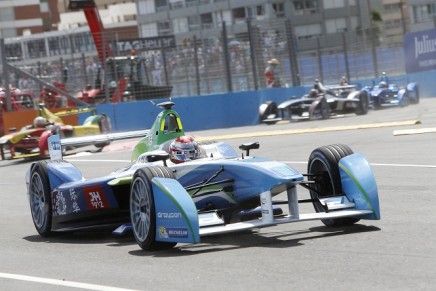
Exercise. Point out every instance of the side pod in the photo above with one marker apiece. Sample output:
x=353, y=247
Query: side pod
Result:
x=359, y=185
x=176, y=214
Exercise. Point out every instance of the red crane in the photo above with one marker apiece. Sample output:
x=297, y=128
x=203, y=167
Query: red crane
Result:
x=128, y=72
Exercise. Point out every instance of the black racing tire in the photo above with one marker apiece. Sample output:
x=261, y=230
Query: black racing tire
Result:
x=104, y=123
x=363, y=106
x=324, y=170
x=40, y=198
x=142, y=207
x=322, y=110
x=377, y=103
x=267, y=109
x=415, y=94
x=105, y=126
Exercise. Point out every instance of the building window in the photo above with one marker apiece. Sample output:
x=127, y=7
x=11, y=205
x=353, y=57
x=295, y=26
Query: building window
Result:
x=206, y=20
x=336, y=25
x=44, y=7
x=164, y=27
x=194, y=23
x=306, y=7
x=176, y=4
x=161, y=5
x=180, y=25
x=308, y=31
x=279, y=9
x=239, y=14
x=424, y=13
x=334, y=4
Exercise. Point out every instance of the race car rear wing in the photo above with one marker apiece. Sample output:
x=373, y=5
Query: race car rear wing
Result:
x=101, y=138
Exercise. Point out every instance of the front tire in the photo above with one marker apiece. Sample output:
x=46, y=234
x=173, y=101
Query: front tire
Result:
x=267, y=110
x=323, y=169
x=40, y=199
x=142, y=207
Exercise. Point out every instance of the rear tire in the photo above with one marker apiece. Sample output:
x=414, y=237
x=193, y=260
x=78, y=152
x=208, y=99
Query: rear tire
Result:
x=363, y=106
x=324, y=170
x=40, y=199
x=105, y=126
x=142, y=207
x=322, y=110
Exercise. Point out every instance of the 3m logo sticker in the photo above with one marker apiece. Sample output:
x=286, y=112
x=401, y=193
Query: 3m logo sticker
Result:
x=95, y=198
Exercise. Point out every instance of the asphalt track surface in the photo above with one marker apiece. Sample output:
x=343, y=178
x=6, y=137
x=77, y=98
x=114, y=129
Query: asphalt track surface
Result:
x=396, y=253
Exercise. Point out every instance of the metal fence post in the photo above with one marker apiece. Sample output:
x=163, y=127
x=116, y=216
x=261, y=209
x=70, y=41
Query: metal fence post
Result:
x=252, y=54
x=319, y=55
x=164, y=60
x=373, y=51
x=347, y=65
x=197, y=72
x=6, y=74
x=226, y=58
x=292, y=50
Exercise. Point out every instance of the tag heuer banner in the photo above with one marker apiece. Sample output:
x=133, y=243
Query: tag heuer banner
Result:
x=146, y=44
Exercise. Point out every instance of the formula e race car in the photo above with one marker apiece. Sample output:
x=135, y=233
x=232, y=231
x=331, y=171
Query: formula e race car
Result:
x=321, y=102
x=387, y=94
x=31, y=140
x=221, y=191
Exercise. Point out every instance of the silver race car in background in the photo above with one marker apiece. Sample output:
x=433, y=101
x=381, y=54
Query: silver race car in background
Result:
x=321, y=102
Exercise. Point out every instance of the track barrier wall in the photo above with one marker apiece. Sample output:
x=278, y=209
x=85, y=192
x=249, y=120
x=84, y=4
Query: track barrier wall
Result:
x=201, y=112
x=19, y=119
x=224, y=110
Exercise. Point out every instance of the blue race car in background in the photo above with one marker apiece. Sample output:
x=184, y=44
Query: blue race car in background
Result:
x=222, y=191
x=386, y=94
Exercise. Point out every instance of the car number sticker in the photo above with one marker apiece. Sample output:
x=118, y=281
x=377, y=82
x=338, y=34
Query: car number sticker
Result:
x=95, y=198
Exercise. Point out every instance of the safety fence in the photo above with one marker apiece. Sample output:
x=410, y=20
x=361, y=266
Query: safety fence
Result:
x=203, y=64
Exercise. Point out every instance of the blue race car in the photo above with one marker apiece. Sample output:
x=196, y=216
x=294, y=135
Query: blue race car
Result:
x=221, y=191
x=386, y=94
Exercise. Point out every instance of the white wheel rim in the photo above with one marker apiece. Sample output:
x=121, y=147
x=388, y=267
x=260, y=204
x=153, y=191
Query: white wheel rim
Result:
x=140, y=210
x=37, y=200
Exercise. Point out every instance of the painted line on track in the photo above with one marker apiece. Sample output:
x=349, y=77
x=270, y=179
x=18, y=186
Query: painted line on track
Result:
x=65, y=283
x=309, y=130
x=414, y=131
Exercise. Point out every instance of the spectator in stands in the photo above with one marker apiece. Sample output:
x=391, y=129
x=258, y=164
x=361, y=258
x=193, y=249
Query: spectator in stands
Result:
x=272, y=77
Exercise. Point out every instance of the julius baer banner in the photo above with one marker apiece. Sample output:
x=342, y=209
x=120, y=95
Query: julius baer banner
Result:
x=420, y=51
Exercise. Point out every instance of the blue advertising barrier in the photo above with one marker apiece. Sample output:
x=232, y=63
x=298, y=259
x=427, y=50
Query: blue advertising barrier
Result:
x=420, y=51
x=197, y=112
x=223, y=110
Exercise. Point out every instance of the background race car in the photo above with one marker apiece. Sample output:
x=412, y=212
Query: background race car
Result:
x=165, y=202
x=31, y=140
x=321, y=102
x=386, y=93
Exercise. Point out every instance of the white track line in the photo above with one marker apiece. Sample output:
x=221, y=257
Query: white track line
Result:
x=61, y=282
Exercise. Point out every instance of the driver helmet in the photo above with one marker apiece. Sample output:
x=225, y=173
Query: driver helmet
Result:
x=313, y=93
x=39, y=122
x=183, y=148
x=383, y=84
